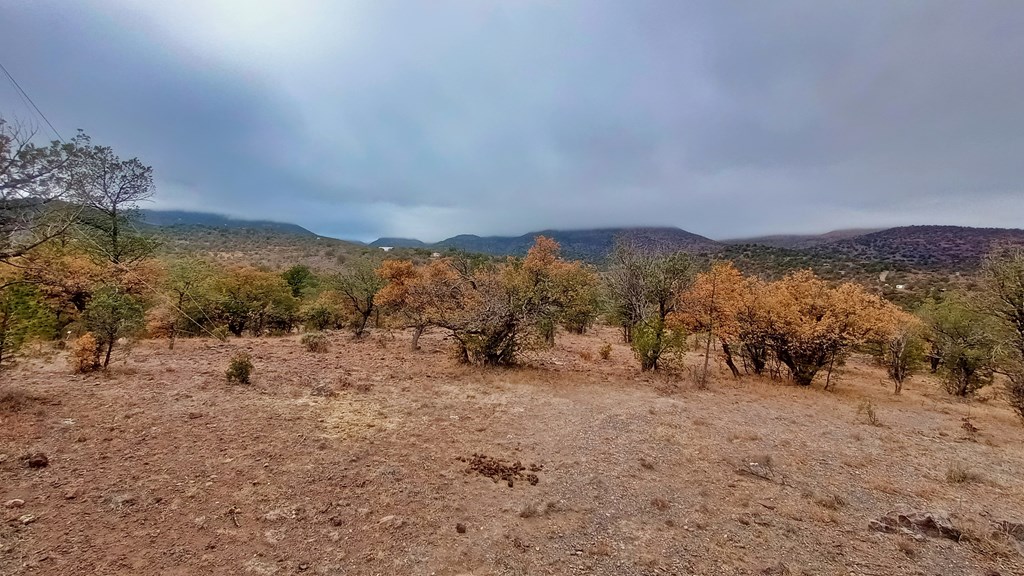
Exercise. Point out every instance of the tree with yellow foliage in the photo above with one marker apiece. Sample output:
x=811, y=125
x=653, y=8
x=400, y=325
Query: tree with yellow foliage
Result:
x=812, y=324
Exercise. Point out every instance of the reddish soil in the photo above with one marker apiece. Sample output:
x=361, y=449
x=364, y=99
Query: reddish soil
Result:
x=161, y=467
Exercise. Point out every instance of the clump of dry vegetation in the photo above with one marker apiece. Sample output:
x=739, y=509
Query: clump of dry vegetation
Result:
x=958, y=473
x=85, y=353
x=240, y=368
x=315, y=342
x=605, y=351
x=867, y=409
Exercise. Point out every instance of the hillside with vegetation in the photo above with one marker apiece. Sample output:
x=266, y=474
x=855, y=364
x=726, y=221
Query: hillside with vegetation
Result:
x=932, y=248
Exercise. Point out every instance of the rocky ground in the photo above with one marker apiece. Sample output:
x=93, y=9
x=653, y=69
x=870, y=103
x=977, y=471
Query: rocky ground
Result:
x=372, y=459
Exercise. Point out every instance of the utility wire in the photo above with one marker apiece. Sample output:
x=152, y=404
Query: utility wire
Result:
x=23, y=94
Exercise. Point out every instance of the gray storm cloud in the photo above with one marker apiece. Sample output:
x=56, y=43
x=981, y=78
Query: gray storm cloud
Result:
x=361, y=119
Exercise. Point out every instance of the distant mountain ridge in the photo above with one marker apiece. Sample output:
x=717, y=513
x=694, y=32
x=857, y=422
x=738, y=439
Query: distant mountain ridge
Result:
x=398, y=243
x=936, y=248
x=187, y=218
x=589, y=244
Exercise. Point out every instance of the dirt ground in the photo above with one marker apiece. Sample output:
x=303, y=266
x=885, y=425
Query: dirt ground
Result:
x=161, y=467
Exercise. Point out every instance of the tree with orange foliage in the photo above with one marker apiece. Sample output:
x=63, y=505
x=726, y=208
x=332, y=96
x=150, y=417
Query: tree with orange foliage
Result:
x=711, y=307
x=555, y=290
x=493, y=312
x=812, y=324
x=406, y=292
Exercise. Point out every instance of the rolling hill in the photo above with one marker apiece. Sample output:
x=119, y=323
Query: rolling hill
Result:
x=945, y=248
x=801, y=241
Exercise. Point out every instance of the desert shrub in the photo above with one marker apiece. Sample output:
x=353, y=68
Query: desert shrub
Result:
x=359, y=283
x=813, y=325
x=651, y=341
x=22, y=316
x=586, y=355
x=492, y=311
x=900, y=349
x=605, y=351
x=867, y=408
x=240, y=369
x=111, y=315
x=965, y=343
x=315, y=342
x=644, y=289
x=85, y=353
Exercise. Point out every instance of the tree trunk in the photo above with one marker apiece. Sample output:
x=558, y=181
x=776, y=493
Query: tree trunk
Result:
x=417, y=332
x=106, y=358
x=727, y=352
x=828, y=377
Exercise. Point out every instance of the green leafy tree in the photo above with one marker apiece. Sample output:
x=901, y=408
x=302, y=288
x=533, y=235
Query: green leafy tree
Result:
x=111, y=315
x=645, y=288
x=359, y=283
x=965, y=343
x=22, y=316
x=255, y=300
x=1002, y=279
x=301, y=280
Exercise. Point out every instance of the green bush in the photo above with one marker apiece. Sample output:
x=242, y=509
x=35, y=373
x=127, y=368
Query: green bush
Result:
x=240, y=369
x=651, y=340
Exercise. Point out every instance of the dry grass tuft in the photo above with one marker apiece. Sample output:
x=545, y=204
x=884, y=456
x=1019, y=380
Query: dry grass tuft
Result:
x=867, y=409
x=830, y=501
x=16, y=400
x=958, y=473
x=533, y=509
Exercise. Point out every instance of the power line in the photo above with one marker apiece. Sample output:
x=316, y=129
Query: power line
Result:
x=25, y=97
x=23, y=94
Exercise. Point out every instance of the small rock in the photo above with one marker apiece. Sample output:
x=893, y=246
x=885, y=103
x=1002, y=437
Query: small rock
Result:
x=280, y=514
x=27, y=519
x=304, y=566
x=35, y=460
x=14, y=503
x=460, y=528
x=71, y=494
x=336, y=520
x=391, y=522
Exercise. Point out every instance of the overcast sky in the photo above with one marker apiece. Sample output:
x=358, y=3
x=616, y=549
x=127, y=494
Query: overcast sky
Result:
x=432, y=118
